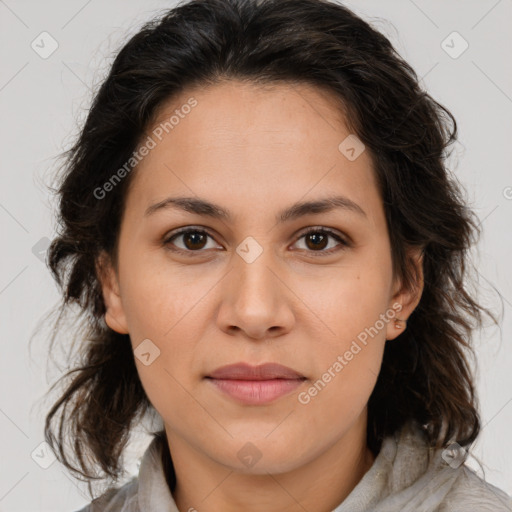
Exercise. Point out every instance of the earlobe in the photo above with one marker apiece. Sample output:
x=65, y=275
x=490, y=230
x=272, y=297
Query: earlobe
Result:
x=406, y=298
x=114, y=316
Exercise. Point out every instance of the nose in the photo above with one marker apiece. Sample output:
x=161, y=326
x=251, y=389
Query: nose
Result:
x=256, y=299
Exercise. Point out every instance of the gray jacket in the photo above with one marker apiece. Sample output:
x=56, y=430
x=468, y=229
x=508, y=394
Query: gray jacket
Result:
x=402, y=478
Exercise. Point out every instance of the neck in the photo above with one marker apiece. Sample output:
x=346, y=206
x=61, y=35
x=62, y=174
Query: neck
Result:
x=321, y=484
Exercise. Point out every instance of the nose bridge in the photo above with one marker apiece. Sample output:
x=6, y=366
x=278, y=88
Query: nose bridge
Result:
x=254, y=280
x=255, y=301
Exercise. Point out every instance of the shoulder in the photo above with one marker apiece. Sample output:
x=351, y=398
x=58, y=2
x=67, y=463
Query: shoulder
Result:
x=420, y=476
x=118, y=499
x=146, y=491
x=471, y=492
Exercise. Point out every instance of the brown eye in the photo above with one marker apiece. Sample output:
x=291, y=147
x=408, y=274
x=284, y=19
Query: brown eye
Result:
x=193, y=240
x=316, y=240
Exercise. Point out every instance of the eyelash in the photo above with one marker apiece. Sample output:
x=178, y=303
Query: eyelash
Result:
x=167, y=241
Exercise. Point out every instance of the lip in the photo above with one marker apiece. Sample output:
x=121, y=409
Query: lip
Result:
x=244, y=371
x=255, y=385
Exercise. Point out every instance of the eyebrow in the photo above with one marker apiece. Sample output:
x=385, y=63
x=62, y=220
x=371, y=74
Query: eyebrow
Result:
x=297, y=210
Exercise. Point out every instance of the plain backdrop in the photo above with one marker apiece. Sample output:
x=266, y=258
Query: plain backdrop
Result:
x=43, y=100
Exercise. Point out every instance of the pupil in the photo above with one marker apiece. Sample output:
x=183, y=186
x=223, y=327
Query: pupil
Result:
x=317, y=237
x=194, y=236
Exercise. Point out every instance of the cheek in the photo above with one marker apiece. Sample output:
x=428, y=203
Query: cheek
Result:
x=347, y=302
x=348, y=356
x=342, y=388
x=164, y=305
x=157, y=296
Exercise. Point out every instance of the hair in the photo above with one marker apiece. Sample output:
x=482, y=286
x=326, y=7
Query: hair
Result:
x=425, y=375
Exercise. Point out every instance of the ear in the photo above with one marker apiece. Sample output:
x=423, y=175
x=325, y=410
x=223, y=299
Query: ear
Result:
x=115, y=316
x=404, y=301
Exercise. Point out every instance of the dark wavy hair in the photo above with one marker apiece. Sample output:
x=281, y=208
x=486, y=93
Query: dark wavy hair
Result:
x=425, y=375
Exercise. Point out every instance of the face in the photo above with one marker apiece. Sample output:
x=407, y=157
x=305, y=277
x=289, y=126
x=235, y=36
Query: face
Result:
x=251, y=286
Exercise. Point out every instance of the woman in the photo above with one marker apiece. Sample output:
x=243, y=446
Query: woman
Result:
x=270, y=256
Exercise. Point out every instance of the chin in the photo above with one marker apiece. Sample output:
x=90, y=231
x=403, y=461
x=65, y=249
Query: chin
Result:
x=260, y=456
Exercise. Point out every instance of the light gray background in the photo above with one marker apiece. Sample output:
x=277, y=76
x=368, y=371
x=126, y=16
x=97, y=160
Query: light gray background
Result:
x=43, y=100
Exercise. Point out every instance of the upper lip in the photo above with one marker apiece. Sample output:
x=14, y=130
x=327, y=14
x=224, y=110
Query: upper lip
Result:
x=244, y=371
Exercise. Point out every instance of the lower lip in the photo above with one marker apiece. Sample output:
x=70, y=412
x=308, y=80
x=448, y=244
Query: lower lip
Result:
x=257, y=392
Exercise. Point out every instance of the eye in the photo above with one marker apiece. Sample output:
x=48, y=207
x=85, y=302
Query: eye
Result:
x=195, y=240
x=316, y=239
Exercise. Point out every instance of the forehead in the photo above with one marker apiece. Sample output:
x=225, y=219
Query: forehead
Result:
x=234, y=112
x=252, y=139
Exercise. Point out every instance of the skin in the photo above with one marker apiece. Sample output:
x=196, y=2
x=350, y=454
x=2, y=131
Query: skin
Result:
x=256, y=151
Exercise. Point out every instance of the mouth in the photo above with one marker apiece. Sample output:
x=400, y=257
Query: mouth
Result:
x=244, y=371
x=255, y=385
